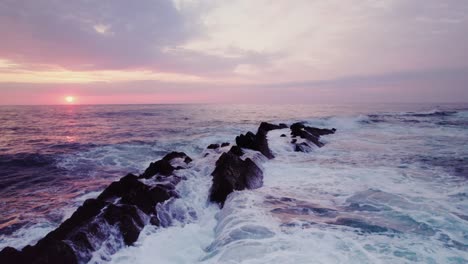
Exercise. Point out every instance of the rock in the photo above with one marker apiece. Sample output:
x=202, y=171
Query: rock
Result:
x=11, y=255
x=162, y=167
x=293, y=141
x=175, y=155
x=258, y=141
x=122, y=205
x=188, y=160
x=127, y=219
x=161, y=193
x=246, y=141
x=225, y=144
x=300, y=130
x=302, y=147
x=236, y=151
x=268, y=127
x=85, y=213
x=213, y=146
x=283, y=135
x=232, y=173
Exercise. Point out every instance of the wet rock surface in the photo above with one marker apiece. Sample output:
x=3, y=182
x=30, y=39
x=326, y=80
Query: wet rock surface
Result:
x=233, y=173
x=124, y=207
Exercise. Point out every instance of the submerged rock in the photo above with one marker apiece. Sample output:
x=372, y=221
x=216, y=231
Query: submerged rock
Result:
x=233, y=173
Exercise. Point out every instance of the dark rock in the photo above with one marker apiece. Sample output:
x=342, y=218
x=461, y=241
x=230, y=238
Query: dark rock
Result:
x=52, y=252
x=85, y=213
x=160, y=193
x=299, y=129
x=213, y=146
x=236, y=151
x=188, y=160
x=162, y=167
x=283, y=135
x=175, y=155
x=232, y=173
x=246, y=141
x=127, y=219
x=258, y=141
x=268, y=127
x=293, y=141
x=155, y=221
x=11, y=255
x=302, y=147
x=225, y=144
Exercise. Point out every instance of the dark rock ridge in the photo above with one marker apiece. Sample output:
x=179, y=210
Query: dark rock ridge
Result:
x=259, y=141
x=213, y=146
x=311, y=134
x=233, y=173
x=129, y=204
x=124, y=207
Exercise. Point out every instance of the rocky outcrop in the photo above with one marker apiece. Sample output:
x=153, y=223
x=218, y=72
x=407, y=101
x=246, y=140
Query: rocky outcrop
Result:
x=123, y=208
x=129, y=204
x=213, y=146
x=233, y=173
x=311, y=134
x=259, y=141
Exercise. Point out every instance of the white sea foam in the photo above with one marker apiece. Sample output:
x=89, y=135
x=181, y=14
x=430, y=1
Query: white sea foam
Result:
x=381, y=175
x=365, y=172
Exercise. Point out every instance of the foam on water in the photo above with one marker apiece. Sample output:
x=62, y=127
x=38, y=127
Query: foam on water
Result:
x=365, y=197
x=386, y=188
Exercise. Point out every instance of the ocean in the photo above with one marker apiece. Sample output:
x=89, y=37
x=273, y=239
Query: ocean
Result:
x=398, y=173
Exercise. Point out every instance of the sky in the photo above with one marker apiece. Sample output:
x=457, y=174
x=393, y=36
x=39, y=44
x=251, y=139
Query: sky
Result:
x=233, y=51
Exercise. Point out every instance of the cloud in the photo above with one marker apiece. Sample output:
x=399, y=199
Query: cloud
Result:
x=262, y=47
x=103, y=35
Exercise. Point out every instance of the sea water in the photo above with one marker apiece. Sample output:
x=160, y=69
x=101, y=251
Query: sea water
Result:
x=389, y=187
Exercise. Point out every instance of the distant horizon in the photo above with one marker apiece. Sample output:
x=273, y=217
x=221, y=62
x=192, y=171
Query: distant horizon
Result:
x=210, y=103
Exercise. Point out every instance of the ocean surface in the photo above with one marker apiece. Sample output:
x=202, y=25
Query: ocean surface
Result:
x=399, y=170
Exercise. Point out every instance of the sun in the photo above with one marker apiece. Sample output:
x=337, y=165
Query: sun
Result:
x=70, y=99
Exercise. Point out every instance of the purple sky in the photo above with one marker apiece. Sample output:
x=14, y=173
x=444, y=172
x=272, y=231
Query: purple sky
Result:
x=236, y=51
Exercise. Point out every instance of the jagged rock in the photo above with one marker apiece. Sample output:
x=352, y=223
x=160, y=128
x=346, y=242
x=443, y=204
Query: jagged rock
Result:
x=162, y=167
x=127, y=219
x=268, y=127
x=236, y=151
x=122, y=205
x=213, y=146
x=293, y=141
x=232, y=173
x=225, y=144
x=302, y=147
x=175, y=155
x=310, y=133
x=258, y=141
x=246, y=141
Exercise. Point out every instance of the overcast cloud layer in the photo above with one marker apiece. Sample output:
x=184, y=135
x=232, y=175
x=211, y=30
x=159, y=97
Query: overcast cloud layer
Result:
x=162, y=51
